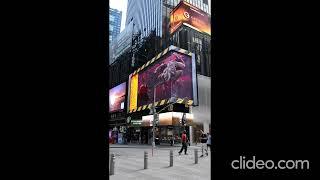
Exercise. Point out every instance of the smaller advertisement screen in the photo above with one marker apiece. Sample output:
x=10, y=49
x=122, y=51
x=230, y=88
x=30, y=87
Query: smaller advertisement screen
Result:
x=191, y=16
x=117, y=97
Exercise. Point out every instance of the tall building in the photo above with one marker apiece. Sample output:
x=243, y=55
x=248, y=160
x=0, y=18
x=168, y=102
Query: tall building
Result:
x=114, y=23
x=146, y=15
x=149, y=15
x=121, y=43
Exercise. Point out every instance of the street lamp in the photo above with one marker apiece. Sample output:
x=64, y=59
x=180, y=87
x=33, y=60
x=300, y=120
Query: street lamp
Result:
x=156, y=114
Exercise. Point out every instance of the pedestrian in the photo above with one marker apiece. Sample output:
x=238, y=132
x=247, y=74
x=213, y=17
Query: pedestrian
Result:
x=208, y=143
x=171, y=140
x=184, y=143
x=203, y=139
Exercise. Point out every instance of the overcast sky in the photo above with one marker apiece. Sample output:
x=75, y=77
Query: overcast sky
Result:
x=121, y=5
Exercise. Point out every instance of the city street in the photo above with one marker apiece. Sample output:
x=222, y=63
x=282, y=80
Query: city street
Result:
x=160, y=74
x=129, y=163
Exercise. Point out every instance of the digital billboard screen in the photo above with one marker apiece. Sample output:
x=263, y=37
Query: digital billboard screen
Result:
x=172, y=75
x=117, y=97
x=191, y=16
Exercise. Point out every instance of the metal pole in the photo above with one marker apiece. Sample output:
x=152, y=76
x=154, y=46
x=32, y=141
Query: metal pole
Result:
x=145, y=160
x=196, y=156
x=171, y=158
x=154, y=118
x=112, y=162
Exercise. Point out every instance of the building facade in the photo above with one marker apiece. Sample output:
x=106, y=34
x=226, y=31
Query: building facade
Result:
x=146, y=16
x=153, y=16
x=198, y=43
x=114, y=23
x=149, y=15
x=121, y=44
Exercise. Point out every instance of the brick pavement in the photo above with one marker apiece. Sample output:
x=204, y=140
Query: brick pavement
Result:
x=129, y=164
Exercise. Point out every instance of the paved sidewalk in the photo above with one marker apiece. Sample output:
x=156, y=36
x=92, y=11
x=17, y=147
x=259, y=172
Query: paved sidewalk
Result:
x=148, y=146
x=129, y=164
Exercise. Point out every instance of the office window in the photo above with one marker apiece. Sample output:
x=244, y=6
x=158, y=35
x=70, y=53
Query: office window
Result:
x=111, y=18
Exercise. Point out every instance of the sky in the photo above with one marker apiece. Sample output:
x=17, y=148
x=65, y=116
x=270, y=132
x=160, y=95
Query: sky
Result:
x=121, y=5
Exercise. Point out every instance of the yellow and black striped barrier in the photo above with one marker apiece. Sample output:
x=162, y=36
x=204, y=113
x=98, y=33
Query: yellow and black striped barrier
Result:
x=162, y=102
x=160, y=55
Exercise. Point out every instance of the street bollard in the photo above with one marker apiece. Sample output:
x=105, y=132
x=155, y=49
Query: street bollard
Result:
x=145, y=160
x=171, y=158
x=112, y=164
x=196, y=156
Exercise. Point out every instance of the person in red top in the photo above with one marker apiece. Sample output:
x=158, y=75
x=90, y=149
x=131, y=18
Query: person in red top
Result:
x=184, y=140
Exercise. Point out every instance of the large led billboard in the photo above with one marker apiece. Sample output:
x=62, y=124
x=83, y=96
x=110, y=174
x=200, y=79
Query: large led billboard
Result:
x=186, y=14
x=170, y=74
x=117, y=97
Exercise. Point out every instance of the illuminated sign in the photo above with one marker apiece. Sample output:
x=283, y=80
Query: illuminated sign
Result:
x=191, y=16
x=117, y=97
x=133, y=91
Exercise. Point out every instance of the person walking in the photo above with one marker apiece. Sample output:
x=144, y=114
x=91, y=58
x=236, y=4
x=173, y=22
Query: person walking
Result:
x=203, y=141
x=208, y=143
x=184, y=143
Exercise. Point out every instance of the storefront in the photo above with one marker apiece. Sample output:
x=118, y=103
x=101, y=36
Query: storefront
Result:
x=169, y=127
x=134, y=131
x=167, y=133
x=118, y=135
x=113, y=135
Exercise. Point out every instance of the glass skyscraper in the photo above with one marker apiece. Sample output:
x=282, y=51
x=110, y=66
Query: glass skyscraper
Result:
x=114, y=23
x=149, y=15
